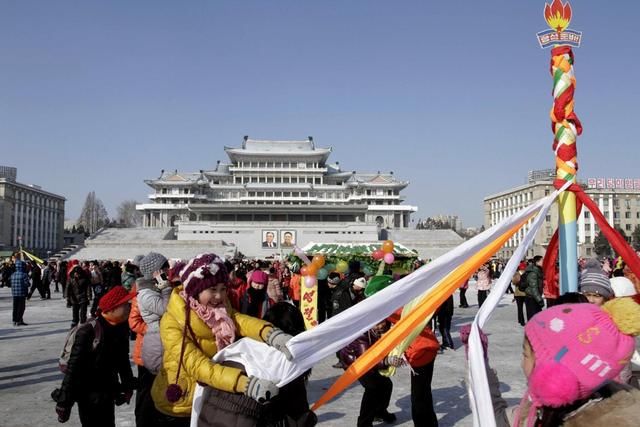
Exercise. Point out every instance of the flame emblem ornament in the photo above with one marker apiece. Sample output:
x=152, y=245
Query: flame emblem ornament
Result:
x=558, y=16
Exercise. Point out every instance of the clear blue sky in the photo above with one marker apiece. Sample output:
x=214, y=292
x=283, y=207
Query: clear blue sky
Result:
x=451, y=95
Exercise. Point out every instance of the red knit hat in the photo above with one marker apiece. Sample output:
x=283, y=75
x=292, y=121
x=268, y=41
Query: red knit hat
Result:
x=118, y=295
x=259, y=276
x=175, y=267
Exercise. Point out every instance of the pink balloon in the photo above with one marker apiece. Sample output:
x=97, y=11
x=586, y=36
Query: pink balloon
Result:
x=300, y=254
x=309, y=281
x=389, y=258
x=377, y=254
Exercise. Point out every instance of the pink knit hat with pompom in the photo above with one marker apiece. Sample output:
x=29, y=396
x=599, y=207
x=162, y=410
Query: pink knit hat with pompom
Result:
x=578, y=348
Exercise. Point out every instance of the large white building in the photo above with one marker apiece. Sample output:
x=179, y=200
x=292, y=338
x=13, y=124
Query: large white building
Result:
x=29, y=216
x=617, y=198
x=274, y=194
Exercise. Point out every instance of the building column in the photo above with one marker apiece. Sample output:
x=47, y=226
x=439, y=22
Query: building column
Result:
x=42, y=223
x=601, y=207
x=39, y=216
x=42, y=216
x=610, y=204
x=35, y=223
x=581, y=227
x=23, y=222
x=48, y=222
x=29, y=226
x=55, y=237
x=16, y=219
x=48, y=228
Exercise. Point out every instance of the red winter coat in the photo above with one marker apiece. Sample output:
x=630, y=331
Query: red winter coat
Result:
x=423, y=349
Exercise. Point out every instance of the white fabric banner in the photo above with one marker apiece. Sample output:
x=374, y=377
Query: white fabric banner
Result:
x=311, y=346
x=478, y=385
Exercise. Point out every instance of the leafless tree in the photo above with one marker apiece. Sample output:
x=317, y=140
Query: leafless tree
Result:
x=128, y=216
x=94, y=215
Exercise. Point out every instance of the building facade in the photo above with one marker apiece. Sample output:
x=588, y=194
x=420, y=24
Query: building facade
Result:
x=283, y=189
x=29, y=216
x=618, y=199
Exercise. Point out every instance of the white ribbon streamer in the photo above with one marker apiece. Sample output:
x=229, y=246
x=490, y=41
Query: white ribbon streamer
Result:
x=310, y=347
x=478, y=384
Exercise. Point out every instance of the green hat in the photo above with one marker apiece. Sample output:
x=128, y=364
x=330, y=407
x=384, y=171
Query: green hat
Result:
x=295, y=267
x=377, y=283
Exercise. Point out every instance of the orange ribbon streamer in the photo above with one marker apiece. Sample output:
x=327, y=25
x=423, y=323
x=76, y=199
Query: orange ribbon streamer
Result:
x=428, y=305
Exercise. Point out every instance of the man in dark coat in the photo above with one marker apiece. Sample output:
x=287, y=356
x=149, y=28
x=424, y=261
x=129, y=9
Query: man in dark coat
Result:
x=61, y=277
x=341, y=296
x=533, y=301
x=36, y=280
x=78, y=295
x=6, y=270
x=47, y=278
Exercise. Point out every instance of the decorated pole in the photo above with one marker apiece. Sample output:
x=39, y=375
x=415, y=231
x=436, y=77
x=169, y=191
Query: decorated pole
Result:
x=566, y=127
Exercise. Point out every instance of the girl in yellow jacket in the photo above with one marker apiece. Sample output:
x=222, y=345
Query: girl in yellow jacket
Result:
x=198, y=322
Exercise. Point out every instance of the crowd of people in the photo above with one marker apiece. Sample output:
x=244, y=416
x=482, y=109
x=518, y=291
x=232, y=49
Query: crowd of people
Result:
x=182, y=312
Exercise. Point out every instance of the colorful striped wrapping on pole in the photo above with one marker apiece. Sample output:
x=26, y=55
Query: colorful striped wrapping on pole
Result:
x=566, y=127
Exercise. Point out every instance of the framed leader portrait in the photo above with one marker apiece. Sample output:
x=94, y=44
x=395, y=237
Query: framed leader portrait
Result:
x=269, y=238
x=287, y=238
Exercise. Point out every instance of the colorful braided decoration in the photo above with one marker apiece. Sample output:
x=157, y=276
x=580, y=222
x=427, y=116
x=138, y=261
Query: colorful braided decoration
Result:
x=566, y=127
x=565, y=123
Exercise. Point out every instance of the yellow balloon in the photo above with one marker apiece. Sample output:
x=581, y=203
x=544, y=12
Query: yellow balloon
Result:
x=342, y=266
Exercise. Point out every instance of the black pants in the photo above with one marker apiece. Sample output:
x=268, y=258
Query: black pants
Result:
x=64, y=289
x=376, y=397
x=98, y=291
x=79, y=313
x=324, y=305
x=482, y=295
x=520, y=306
x=146, y=413
x=97, y=410
x=36, y=285
x=444, y=326
x=421, y=398
x=463, y=298
x=168, y=421
x=509, y=289
x=19, y=305
x=532, y=306
x=46, y=290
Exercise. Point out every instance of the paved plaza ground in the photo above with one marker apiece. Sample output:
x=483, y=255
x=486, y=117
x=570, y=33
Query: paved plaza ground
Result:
x=29, y=369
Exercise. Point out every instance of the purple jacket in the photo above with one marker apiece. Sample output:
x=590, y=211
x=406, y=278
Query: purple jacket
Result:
x=351, y=352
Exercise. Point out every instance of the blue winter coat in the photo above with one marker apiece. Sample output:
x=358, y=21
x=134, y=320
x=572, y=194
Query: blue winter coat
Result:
x=19, y=281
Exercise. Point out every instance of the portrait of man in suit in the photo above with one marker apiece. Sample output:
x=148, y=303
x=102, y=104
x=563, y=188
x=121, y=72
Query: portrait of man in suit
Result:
x=288, y=238
x=269, y=239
